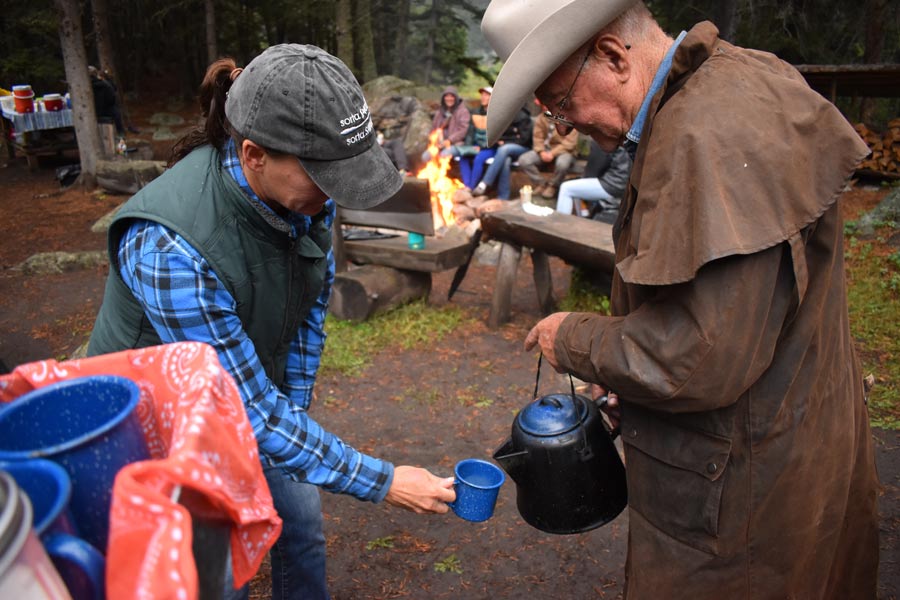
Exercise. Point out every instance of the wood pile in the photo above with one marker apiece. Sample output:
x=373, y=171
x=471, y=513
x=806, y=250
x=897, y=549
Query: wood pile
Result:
x=468, y=208
x=885, y=157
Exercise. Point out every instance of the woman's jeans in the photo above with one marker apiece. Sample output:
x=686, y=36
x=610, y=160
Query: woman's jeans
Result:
x=298, y=557
x=500, y=170
x=588, y=189
x=471, y=167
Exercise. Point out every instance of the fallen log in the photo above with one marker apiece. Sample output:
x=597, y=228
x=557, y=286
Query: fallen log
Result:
x=360, y=293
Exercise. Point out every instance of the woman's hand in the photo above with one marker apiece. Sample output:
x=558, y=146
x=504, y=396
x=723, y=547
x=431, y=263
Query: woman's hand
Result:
x=419, y=491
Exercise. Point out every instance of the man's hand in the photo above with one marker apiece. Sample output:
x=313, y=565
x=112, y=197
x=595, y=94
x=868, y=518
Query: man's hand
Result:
x=547, y=156
x=610, y=407
x=419, y=491
x=544, y=334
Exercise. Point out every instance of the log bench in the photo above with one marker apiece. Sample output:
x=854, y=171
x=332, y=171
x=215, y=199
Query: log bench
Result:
x=387, y=271
x=576, y=240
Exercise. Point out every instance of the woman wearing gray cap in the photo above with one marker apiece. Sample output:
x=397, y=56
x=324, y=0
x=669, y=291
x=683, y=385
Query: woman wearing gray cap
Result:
x=232, y=247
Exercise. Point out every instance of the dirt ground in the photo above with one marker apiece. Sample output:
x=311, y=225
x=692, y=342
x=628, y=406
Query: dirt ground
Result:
x=430, y=407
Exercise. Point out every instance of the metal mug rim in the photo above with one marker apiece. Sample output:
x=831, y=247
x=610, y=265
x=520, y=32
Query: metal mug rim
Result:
x=18, y=404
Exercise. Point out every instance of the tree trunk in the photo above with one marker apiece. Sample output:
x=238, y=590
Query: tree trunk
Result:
x=726, y=19
x=365, y=45
x=105, y=54
x=429, y=48
x=212, y=50
x=344, y=33
x=402, y=34
x=358, y=294
x=875, y=15
x=83, y=115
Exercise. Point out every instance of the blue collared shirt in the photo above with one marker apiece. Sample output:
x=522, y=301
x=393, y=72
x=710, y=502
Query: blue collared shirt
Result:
x=185, y=300
x=634, y=134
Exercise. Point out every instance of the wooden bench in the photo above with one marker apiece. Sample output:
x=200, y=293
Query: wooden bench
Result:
x=576, y=240
x=389, y=271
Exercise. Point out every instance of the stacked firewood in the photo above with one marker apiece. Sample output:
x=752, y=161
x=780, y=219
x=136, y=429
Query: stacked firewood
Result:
x=885, y=156
x=467, y=208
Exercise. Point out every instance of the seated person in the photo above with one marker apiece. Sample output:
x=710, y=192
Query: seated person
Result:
x=513, y=143
x=106, y=104
x=604, y=183
x=475, y=153
x=451, y=122
x=548, y=147
x=396, y=152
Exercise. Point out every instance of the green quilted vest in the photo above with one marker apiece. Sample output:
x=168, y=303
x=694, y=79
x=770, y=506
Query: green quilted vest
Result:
x=274, y=279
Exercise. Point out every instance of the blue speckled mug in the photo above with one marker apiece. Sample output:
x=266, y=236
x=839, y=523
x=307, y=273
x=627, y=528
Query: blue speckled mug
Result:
x=48, y=487
x=87, y=425
x=477, y=486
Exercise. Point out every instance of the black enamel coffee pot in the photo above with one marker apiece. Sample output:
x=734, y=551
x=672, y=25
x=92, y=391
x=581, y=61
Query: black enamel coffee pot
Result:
x=568, y=474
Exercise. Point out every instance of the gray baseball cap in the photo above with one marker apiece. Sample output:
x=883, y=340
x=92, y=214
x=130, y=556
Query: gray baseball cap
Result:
x=300, y=100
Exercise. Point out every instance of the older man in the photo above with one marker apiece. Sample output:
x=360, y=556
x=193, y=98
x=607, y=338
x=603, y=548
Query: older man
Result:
x=741, y=402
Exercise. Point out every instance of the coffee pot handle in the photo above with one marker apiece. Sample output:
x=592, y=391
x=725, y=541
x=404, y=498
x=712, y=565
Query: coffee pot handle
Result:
x=613, y=431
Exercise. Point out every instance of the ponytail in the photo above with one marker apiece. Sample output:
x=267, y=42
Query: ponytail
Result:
x=215, y=129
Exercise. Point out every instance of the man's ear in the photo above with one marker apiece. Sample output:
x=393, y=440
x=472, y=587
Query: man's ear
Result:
x=253, y=156
x=613, y=51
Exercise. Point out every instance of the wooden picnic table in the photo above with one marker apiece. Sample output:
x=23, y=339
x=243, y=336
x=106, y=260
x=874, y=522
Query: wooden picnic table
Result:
x=37, y=133
x=576, y=240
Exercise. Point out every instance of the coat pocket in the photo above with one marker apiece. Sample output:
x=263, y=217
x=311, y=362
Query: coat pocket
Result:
x=676, y=477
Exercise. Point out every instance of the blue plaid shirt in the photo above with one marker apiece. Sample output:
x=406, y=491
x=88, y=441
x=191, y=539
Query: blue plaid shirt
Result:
x=185, y=300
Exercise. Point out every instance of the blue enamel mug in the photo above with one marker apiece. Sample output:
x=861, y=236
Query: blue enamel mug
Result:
x=88, y=426
x=47, y=485
x=477, y=486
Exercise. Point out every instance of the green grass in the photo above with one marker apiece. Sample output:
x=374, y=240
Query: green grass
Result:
x=584, y=296
x=450, y=564
x=351, y=346
x=874, y=298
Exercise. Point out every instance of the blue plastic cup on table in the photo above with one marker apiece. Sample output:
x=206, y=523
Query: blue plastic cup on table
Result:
x=477, y=486
x=416, y=241
x=48, y=487
x=87, y=425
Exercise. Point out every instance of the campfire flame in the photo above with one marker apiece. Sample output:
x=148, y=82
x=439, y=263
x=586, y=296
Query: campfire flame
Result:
x=441, y=186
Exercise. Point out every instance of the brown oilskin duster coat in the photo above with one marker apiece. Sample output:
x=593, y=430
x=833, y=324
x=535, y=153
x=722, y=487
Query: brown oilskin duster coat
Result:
x=747, y=444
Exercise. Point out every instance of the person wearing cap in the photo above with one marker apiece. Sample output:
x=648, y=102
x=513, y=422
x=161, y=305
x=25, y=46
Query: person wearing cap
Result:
x=471, y=164
x=740, y=398
x=232, y=246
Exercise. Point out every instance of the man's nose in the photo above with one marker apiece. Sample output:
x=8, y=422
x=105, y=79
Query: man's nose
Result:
x=563, y=130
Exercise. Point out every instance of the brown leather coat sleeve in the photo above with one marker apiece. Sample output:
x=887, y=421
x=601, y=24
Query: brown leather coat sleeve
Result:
x=688, y=347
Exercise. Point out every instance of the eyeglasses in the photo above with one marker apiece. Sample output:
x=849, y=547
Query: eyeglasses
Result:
x=561, y=105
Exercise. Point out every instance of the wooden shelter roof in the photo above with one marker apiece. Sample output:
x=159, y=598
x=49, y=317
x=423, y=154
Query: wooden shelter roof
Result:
x=857, y=80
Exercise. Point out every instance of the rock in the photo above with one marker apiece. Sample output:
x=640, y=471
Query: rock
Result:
x=462, y=196
x=166, y=119
x=476, y=202
x=490, y=206
x=398, y=112
x=102, y=224
x=127, y=176
x=463, y=213
x=45, y=263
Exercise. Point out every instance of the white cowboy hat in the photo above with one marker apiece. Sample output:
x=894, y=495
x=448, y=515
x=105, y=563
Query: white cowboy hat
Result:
x=534, y=37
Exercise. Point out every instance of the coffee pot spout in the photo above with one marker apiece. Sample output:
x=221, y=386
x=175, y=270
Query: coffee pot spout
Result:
x=511, y=459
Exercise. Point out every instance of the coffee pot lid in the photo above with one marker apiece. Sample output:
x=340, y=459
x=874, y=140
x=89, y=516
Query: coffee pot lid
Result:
x=552, y=415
